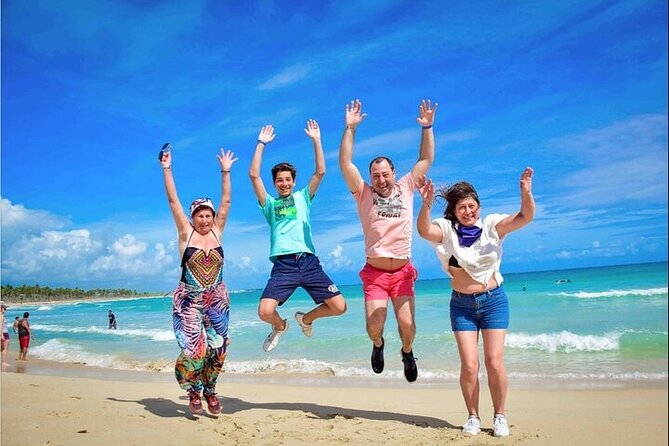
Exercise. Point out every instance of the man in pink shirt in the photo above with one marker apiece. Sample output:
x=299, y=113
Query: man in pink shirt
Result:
x=385, y=209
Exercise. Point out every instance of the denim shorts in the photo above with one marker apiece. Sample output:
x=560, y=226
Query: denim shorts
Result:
x=480, y=311
x=299, y=270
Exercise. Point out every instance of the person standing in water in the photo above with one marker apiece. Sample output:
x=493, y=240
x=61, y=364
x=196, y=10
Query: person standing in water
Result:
x=112, y=320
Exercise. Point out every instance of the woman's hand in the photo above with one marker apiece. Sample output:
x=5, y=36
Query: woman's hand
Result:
x=266, y=134
x=312, y=130
x=426, y=113
x=226, y=159
x=166, y=160
x=526, y=181
x=354, y=114
x=426, y=189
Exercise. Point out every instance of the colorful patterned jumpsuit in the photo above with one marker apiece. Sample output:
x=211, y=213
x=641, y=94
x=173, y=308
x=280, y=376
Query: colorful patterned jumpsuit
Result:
x=200, y=314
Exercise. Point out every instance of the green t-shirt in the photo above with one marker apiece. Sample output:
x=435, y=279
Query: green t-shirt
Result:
x=289, y=222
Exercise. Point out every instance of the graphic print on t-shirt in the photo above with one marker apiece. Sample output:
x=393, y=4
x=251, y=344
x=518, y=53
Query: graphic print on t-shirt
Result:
x=284, y=209
x=390, y=207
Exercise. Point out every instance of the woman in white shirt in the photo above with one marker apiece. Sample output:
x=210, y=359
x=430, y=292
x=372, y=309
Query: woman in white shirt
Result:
x=470, y=251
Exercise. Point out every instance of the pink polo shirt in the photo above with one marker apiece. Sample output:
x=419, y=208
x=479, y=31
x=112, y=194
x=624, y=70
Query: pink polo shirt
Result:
x=387, y=222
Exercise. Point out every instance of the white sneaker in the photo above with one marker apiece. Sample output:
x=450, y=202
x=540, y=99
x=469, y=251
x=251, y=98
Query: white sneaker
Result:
x=500, y=427
x=472, y=426
x=307, y=329
x=272, y=339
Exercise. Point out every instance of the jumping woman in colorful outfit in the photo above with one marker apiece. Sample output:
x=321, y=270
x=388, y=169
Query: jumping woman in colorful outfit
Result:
x=200, y=307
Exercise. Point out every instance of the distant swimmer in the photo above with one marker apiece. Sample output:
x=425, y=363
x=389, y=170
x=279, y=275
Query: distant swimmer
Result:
x=561, y=281
x=112, y=320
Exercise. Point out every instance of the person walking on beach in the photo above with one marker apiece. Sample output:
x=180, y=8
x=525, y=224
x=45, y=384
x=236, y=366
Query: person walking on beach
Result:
x=385, y=208
x=292, y=251
x=470, y=251
x=200, y=306
x=4, y=342
x=112, y=320
x=24, y=336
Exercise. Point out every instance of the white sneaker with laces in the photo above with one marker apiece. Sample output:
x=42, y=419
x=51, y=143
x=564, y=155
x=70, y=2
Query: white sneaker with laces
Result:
x=272, y=339
x=307, y=329
x=500, y=426
x=472, y=426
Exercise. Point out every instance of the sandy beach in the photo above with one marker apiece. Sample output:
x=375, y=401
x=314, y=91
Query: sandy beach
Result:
x=45, y=403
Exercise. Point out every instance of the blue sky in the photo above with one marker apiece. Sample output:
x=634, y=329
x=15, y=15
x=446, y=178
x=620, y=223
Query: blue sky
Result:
x=91, y=90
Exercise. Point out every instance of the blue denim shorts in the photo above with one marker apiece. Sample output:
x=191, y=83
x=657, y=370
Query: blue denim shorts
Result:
x=480, y=311
x=299, y=270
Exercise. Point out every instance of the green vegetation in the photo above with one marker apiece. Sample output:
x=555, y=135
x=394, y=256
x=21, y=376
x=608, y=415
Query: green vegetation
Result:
x=36, y=293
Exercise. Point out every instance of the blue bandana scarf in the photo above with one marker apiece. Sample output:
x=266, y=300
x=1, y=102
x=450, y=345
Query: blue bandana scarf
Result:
x=467, y=235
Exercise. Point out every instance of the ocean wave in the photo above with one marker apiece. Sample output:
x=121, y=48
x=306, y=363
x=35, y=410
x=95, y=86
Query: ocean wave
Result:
x=59, y=351
x=56, y=350
x=152, y=333
x=44, y=308
x=564, y=341
x=629, y=376
x=617, y=293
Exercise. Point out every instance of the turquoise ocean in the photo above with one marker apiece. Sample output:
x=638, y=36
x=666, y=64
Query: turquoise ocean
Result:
x=584, y=327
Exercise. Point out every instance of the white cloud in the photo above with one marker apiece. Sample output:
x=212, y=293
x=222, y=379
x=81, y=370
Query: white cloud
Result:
x=641, y=179
x=287, y=76
x=16, y=216
x=622, y=140
x=37, y=256
x=563, y=255
x=34, y=252
x=624, y=161
x=62, y=245
x=127, y=246
x=338, y=259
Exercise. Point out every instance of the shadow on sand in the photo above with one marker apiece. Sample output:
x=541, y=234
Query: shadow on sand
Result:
x=163, y=407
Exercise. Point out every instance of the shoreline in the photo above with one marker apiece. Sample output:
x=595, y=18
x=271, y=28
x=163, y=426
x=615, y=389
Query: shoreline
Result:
x=11, y=304
x=59, y=404
x=43, y=367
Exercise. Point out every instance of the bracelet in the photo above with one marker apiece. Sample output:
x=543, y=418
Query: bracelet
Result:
x=261, y=142
x=225, y=171
x=425, y=127
x=167, y=168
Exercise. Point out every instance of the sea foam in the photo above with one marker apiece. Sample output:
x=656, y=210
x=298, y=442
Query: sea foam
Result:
x=564, y=341
x=617, y=293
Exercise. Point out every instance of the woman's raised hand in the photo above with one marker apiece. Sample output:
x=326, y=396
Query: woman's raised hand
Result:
x=166, y=160
x=426, y=189
x=526, y=180
x=226, y=159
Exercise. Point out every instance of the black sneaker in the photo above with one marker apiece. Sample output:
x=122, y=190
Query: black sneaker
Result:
x=377, y=357
x=410, y=369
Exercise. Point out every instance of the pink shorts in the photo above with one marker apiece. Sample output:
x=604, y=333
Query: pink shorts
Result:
x=378, y=284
